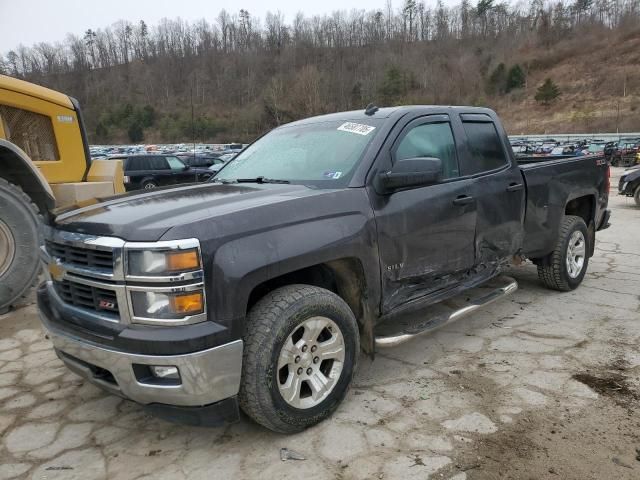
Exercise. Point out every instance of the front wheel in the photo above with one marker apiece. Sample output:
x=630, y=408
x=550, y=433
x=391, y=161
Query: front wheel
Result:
x=19, y=244
x=300, y=352
x=636, y=196
x=565, y=267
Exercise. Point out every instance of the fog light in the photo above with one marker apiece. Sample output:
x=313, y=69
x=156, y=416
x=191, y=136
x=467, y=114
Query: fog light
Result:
x=165, y=372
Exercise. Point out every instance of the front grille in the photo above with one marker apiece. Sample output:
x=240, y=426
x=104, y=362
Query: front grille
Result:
x=81, y=257
x=84, y=296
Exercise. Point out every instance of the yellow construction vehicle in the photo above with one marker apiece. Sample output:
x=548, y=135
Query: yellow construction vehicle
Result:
x=44, y=164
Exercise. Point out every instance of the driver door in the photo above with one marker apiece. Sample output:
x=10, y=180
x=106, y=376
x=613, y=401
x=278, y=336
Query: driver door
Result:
x=425, y=234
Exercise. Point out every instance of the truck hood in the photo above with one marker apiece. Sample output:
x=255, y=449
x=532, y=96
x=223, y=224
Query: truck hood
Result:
x=147, y=216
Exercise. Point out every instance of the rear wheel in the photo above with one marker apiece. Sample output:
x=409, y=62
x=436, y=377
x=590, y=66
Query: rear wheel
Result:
x=149, y=185
x=565, y=267
x=300, y=352
x=19, y=244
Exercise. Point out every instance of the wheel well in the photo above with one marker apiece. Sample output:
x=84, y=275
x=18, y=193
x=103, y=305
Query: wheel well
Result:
x=344, y=277
x=581, y=207
x=584, y=207
x=18, y=169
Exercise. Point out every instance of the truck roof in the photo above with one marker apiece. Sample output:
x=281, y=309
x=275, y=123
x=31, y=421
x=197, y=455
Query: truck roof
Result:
x=33, y=90
x=385, y=112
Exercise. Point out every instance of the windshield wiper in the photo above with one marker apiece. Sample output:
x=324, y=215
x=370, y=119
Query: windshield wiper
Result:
x=260, y=180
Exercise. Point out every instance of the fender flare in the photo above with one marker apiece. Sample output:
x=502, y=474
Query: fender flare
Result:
x=19, y=169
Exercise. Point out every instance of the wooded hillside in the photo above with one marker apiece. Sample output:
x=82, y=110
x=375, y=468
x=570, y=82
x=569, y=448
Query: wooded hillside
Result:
x=243, y=75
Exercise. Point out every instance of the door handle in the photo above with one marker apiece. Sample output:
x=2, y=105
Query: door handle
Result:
x=463, y=200
x=514, y=187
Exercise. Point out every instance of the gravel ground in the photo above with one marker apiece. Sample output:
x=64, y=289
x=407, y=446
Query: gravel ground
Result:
x=540, y=385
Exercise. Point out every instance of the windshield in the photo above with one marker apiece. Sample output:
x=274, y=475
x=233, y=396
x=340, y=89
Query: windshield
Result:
x=320, y=154
x=596, y=148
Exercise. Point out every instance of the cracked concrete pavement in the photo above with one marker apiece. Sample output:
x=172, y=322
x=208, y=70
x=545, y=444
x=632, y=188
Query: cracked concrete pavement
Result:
x=540, y=385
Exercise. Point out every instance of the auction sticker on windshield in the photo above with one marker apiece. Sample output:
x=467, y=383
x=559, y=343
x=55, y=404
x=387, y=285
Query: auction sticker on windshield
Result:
x=356, y=128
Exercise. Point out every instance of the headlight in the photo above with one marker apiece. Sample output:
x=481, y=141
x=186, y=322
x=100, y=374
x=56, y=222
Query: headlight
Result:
x=162, y=262
x=167, y=305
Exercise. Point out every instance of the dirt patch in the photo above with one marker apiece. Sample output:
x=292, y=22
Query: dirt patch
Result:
x=612, y=385
x=611, y=381
x=599, y=442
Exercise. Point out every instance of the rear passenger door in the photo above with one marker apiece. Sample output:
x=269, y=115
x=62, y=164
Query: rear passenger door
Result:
x=498, y=189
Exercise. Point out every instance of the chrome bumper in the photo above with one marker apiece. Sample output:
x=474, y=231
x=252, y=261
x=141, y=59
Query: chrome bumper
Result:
x=206, y=377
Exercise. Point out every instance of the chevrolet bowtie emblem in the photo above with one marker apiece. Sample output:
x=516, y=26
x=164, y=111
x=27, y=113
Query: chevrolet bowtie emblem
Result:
x=56, y=270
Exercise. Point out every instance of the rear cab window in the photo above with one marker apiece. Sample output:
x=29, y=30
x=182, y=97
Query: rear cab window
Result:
x=484, y=144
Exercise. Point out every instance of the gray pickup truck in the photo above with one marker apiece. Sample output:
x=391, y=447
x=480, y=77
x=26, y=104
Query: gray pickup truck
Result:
x=260, y=288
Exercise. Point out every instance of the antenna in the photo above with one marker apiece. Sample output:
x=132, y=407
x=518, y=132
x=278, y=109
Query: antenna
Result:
x=193, y=127
x=370, y=109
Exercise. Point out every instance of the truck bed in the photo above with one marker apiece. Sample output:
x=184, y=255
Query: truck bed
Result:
x=559, y=186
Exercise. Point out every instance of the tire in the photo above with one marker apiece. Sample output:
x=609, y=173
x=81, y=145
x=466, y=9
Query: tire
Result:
x=636, y=196
x=555, y=271
x=282, y=315
x=148, y=185
x=20, y=240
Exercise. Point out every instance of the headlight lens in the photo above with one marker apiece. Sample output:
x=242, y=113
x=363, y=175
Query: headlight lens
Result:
x=167, y=306
x=152, y=262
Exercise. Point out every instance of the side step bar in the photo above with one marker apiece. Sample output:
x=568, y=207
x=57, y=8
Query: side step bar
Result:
x=400, y=330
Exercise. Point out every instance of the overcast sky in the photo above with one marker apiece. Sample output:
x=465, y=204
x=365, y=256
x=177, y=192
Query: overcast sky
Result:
x=32, y=21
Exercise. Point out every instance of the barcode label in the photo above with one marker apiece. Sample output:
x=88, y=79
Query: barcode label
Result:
x=356, y=128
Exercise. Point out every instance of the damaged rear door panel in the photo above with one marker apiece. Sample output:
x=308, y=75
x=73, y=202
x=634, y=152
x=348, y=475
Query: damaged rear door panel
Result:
x=498, y=189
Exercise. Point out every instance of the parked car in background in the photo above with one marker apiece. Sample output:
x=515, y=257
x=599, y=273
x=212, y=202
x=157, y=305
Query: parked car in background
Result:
x=597, y=148
x=523, y=149
x=626, y=153
x=205, y=160
x=566, y=150
x=225, y=157
x=150, y=171
x=629, y=185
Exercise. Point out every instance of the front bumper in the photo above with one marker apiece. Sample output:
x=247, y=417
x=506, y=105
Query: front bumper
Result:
x=206, y=376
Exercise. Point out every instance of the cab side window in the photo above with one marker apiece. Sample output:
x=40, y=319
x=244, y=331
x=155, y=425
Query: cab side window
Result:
x=485, y=146
x=431, y=140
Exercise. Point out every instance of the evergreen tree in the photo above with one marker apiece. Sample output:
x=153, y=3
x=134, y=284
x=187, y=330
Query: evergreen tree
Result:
x=547, y=93
x=498, y=80
x=135, y=132
x=515, y=78
x=393, y=85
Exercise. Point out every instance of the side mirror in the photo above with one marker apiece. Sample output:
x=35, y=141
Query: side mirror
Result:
x=186, y=167
x=410, y=172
